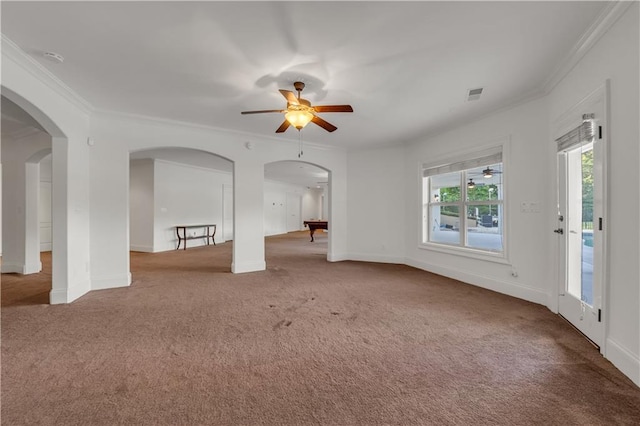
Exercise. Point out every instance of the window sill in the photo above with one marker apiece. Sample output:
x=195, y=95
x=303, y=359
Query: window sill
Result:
x=466, y=252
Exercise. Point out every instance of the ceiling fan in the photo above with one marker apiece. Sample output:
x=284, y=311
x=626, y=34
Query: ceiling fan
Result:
x=488, y=173
x=300, y=112
x=471, y=184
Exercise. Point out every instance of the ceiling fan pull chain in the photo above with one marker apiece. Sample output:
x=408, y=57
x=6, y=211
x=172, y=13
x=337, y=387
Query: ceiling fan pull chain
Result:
x=300, y=152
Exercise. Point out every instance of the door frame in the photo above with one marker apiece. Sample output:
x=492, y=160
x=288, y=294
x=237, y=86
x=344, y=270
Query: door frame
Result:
x=596, y=100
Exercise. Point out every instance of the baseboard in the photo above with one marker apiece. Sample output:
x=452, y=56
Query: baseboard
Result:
x=239, y=268
x=46, y=247
x=68, y=295
x=110, y=281
x=623, y=359
x=32, y=268
x=143, y=249
x=332, y=257
x=20, y=268
x=509, y=288
x=378, y=258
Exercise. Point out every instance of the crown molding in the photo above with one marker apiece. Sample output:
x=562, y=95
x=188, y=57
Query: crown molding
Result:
x=37, y=70
x=253, y=137
x=21, y=133
x=611, y=13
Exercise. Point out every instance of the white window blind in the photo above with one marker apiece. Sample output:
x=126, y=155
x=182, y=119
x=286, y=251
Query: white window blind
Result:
x=582, y=134
x=480, y=159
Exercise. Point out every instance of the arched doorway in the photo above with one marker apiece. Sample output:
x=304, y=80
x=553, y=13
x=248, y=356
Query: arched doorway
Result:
x=173, y=186
x=26, y=200
x=296, y=192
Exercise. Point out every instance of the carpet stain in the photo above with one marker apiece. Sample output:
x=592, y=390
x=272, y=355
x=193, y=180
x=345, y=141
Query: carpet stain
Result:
x=281, y=323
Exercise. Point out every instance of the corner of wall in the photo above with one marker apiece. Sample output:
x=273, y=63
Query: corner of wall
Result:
x=623, y=359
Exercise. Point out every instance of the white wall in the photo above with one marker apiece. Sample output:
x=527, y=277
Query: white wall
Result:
x=20, y=200
x=275, y=205
x=66, y=118
x=141, y=205
x=376, y=206
x=44, y=204
x=616, y=57
x=185, y=195
x=116, y=136
x=531, y=174
x=524, y=130
x=312, y=204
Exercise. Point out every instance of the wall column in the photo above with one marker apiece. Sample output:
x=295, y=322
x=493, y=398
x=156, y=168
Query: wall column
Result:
x=32, y=262
x=248, y=236
x=70, y=218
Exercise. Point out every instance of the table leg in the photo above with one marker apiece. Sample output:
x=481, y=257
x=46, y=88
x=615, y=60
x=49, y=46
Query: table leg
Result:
x=311, y=232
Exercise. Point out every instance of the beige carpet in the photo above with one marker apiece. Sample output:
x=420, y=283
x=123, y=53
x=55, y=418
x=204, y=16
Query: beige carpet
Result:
x=306, y=342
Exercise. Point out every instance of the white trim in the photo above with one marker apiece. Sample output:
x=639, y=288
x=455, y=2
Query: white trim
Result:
x=189, y=166
x=37, y=70
x=104, y=282
x=21, y=133
x=140, y=248
x=504, y=145
x=611, y=13
x=255, y=137
x=561, y=124
x=623, y=359
x=520, y=291
x=20, y=268
x=337, y=257
x=69, y=294
x=479, y=254
x=239, y=268
x=375, y=258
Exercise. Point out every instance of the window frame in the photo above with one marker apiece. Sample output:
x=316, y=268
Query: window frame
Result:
x=462, y=249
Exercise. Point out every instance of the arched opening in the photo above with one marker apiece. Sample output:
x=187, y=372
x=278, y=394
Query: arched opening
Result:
x=296, y=206
x=179, y=198
x=27, y=225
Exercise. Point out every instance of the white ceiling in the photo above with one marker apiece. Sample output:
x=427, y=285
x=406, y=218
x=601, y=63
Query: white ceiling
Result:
x=405, y=67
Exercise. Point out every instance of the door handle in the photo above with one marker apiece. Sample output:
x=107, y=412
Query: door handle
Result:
x=559, y=231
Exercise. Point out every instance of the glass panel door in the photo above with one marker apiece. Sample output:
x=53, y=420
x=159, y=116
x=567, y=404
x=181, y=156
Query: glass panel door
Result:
x=580, y=223
x=580, y=195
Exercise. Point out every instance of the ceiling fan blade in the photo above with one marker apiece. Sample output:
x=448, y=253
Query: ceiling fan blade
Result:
x=290, y=96
x=325, y=125
x=262, y=111
x=333, y=108
x=284, y=126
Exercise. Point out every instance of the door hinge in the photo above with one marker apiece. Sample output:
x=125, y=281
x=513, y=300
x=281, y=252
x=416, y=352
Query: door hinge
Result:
x=599, y=315
x=599, y=224
x=599, y=132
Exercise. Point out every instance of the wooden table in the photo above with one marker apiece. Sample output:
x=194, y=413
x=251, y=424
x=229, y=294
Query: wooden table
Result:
x=205, y=229
x=316, y=224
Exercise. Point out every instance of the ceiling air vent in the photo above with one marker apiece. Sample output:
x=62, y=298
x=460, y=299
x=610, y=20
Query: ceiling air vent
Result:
x=474, y=94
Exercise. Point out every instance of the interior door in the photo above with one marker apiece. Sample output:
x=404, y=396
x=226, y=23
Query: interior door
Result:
x=294, y=208
x=580, y=233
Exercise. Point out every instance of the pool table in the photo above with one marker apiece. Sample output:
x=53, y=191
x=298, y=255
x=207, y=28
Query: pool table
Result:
x=316, y=224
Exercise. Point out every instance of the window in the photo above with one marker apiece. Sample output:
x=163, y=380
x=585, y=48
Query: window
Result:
x=463, y=203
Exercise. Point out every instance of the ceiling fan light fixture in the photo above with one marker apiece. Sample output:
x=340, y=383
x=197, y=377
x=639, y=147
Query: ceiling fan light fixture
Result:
x=471, y=184
x=298, y=119
x=487, y=173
